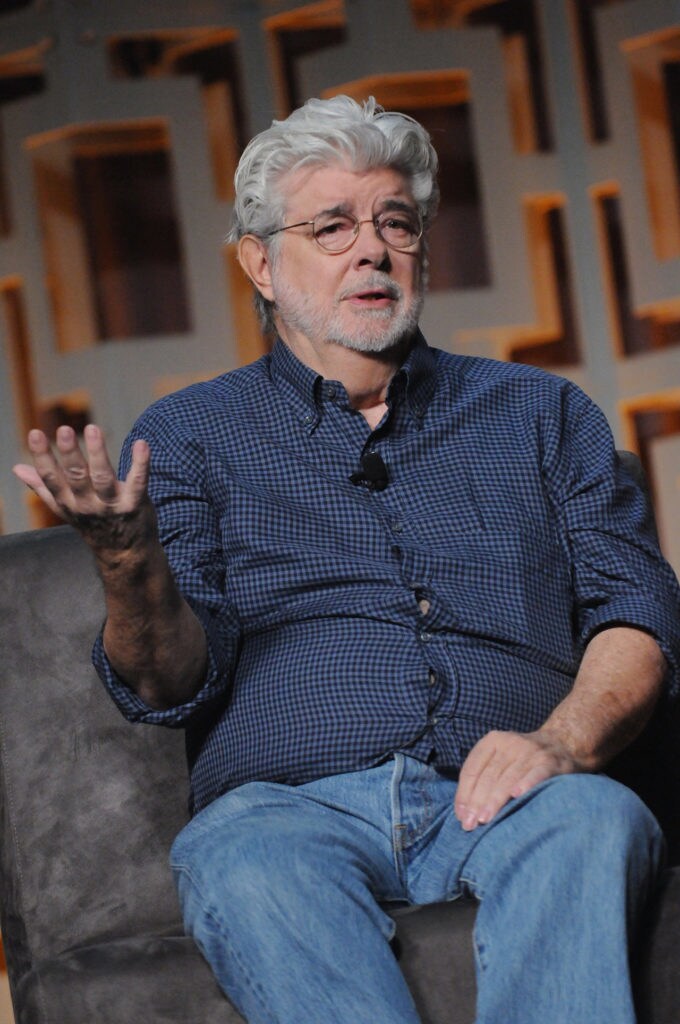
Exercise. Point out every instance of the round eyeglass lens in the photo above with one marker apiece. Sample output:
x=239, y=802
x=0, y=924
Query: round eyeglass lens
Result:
x=336, y=232
x=399, y=228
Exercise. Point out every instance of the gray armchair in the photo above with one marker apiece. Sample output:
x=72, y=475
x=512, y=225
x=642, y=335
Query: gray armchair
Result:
x=90, y=805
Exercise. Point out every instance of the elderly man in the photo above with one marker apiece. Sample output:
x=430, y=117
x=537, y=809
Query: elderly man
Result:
x=403, y=603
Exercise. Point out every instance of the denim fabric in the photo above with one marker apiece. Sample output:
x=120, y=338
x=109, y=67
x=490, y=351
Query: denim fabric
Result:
x=284, y=890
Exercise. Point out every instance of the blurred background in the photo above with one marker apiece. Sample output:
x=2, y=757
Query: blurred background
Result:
x=558, y=129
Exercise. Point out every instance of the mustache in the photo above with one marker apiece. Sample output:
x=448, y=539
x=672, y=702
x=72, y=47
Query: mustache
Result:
x=376, y=281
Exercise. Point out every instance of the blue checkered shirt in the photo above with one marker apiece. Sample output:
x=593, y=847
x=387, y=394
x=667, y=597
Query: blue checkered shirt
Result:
x=345, y=624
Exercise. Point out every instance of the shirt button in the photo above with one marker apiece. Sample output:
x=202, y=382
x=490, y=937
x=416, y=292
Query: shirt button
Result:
x=397, y=526
x=308, y=419
x=434, y=721
x=425, y=636
x=332, y=392
x=432, y=677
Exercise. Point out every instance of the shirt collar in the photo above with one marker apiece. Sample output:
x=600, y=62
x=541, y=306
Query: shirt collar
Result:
x=297, y=382
x=300, y=385
x=416, y=378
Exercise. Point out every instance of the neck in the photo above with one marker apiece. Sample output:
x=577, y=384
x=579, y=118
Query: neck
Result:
x=365, y=375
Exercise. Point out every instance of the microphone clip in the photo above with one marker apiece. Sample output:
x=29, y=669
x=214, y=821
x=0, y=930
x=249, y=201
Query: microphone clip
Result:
x=373, y=473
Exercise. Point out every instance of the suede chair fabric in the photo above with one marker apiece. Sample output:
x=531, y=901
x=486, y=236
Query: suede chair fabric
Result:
x=91, y=804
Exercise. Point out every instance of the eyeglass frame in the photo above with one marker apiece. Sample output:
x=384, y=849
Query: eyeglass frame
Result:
x=357, y=226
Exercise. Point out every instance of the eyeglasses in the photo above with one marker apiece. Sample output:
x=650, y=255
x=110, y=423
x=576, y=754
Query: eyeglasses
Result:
x=336, y=232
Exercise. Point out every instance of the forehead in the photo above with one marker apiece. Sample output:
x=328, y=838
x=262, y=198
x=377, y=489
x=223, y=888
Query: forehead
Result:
x=310, y=190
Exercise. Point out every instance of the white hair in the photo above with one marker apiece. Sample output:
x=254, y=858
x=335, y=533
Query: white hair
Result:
x=322, y=133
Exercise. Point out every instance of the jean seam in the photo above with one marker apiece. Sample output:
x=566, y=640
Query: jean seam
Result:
x=475, y=889
x=397, y=828
x=408, y=837
x=208, y=910
x=479, y=947
x=427, y=815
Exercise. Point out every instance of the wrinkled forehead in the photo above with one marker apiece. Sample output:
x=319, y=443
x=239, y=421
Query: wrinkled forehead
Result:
x=310, y=189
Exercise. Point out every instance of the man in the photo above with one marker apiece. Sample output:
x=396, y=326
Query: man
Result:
x=404, y=605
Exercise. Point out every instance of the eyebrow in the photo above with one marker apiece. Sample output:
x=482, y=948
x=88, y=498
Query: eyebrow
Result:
x=398, y=204
x=384, y=205
x=334, y=211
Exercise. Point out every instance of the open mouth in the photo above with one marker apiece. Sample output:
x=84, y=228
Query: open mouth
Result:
x=376, y=291
x=372, y=298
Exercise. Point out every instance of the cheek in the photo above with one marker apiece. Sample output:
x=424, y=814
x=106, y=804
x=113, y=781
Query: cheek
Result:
x=415, y=280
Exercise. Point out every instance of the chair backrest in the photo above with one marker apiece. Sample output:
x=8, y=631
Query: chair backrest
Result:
x=89, y=804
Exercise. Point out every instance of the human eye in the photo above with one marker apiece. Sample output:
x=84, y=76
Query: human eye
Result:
x=326, y=226
x=334, y=231
x=399, y=224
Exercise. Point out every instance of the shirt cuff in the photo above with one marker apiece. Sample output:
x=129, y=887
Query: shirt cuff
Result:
x=652, y=619
x=214, y=686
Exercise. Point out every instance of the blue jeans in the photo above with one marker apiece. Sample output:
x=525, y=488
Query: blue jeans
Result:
x=283, y=889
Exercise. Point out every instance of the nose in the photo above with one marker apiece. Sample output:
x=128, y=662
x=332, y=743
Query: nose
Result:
x=369, y=247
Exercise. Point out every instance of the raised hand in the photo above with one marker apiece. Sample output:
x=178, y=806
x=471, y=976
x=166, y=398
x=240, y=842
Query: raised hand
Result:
x=152, y=637
x=83, y=489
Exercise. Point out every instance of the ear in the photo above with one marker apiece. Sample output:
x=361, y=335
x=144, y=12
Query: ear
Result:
x=254, y=259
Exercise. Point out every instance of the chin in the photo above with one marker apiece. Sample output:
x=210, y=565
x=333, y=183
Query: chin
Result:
x=379, y=330
x=371, y=344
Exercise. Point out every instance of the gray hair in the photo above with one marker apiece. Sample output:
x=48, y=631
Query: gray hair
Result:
x=320, y=133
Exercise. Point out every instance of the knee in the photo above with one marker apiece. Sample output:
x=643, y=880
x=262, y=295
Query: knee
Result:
x=224, y=860
x=262, y=861
x=239, y=856
x=602, y=813
x=223, y=837
x=227, y=880
x=596, y=797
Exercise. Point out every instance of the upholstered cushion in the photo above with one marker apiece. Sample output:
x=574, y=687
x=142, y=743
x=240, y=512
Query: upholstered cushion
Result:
x=166, y=980
x=90, y=804
x=145, y=979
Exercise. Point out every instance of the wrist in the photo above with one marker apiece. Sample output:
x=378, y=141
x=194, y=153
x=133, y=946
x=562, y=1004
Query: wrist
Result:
x=126, y=538
x=570, y=747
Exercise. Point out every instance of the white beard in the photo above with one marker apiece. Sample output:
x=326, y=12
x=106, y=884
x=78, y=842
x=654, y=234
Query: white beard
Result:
x=372, y=330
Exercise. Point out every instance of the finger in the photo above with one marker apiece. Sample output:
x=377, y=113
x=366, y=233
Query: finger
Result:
x=494, y=800
x=137, y=480
x=105, y=483
x=28, y=475
x=496, y=765
x=529, y=780
x=539, y=772
x=519, y=764
x=475, y=766
x=493, y=794
x=73, y=463
x=31, y=478
x=46, y=465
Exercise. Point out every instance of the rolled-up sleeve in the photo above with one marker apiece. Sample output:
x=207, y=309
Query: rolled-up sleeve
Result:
x=619, y=574
x=189, y=531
